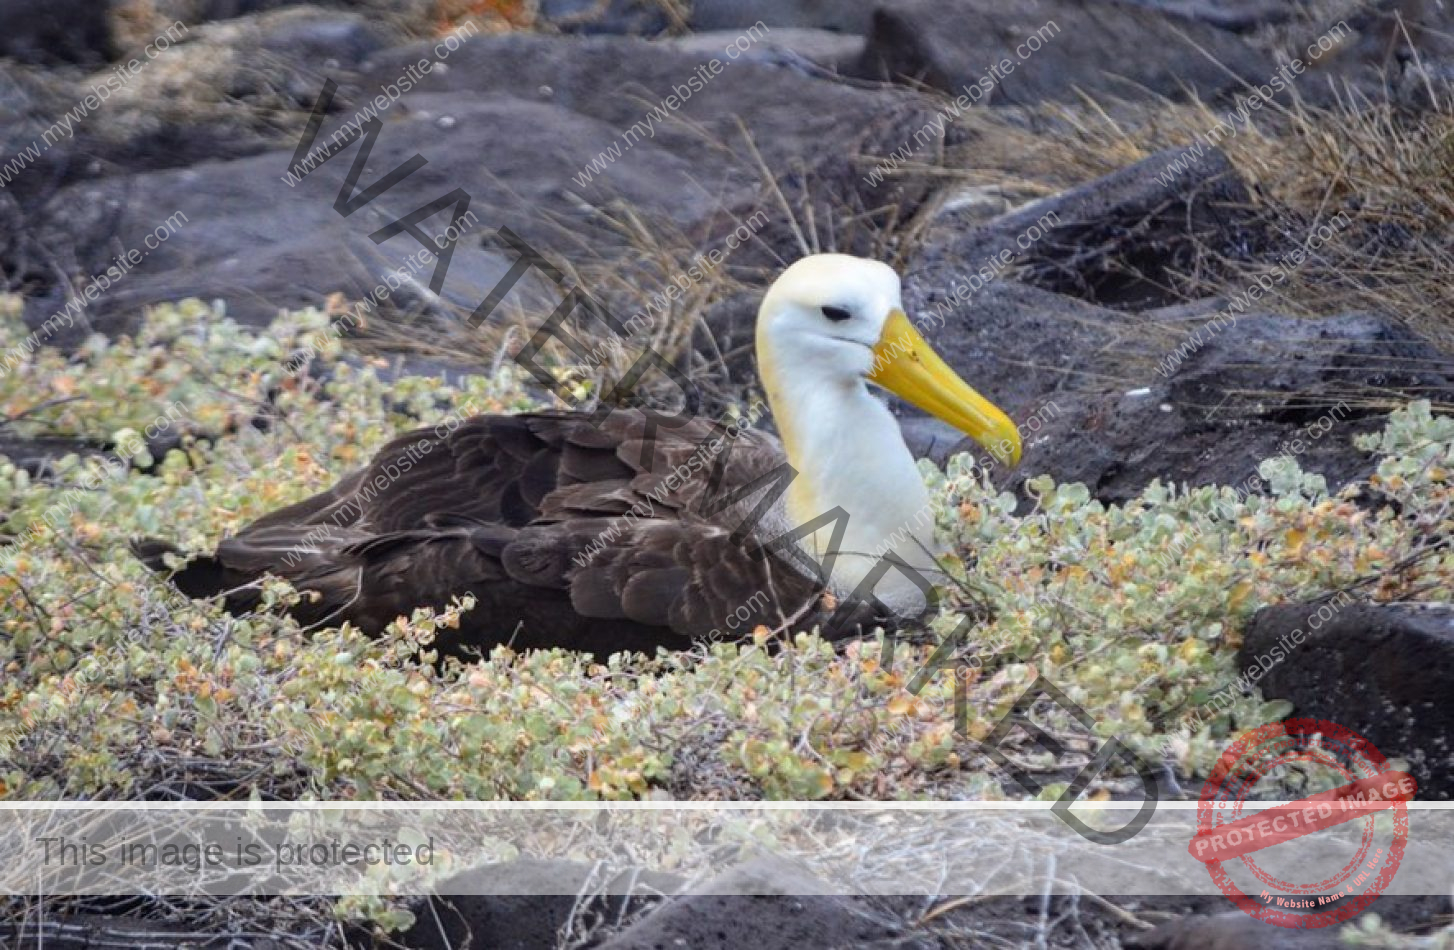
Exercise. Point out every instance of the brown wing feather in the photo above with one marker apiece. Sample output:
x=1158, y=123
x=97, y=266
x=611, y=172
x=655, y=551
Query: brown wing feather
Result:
x=514, y=510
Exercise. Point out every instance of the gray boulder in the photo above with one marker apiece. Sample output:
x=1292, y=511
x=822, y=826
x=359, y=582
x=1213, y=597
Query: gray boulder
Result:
x=56, y=31
x=1055, y=50
x=1381, y=670
x=842, y=16
x=516, y=121
x=1117, y=240
x=630, y=17
x=1086, y=384
x=530, y=903
x=1239, y=16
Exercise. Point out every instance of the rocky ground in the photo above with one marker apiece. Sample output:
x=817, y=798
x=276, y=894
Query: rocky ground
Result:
x=1114, y=315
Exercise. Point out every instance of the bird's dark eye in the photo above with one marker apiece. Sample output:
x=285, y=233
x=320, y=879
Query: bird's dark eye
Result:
x=836, y=314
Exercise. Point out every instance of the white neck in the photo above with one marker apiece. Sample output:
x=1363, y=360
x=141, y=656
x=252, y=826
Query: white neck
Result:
x=849, y=453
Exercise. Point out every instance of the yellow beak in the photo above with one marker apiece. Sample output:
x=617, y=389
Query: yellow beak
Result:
x=906, y=366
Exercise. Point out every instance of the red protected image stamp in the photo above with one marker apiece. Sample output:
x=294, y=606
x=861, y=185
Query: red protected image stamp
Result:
x=1271, y=862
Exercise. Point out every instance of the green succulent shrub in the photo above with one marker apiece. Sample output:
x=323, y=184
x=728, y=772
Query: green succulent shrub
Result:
x=114, y=685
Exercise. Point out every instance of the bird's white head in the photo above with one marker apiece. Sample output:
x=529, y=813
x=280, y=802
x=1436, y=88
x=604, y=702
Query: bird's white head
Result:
x=827, y=327
x=829, y=309
x=839, y=320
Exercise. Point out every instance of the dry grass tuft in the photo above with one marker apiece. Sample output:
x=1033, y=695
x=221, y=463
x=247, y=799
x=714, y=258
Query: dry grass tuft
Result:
x=1389, y=171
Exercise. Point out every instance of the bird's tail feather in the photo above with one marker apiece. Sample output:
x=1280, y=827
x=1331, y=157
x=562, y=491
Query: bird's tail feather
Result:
x=202, y=576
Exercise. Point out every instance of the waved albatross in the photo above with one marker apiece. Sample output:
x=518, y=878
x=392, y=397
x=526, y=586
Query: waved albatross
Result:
x=606, y=532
